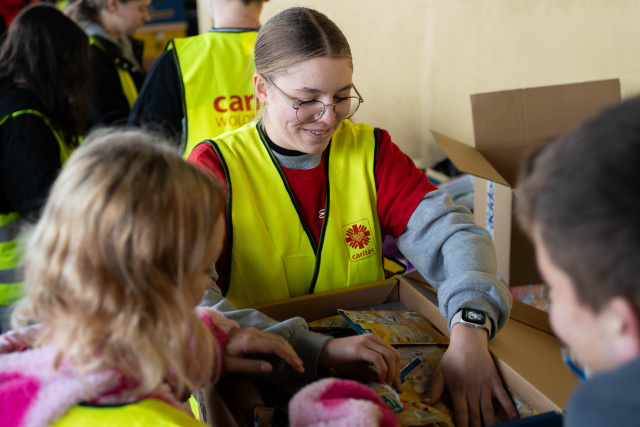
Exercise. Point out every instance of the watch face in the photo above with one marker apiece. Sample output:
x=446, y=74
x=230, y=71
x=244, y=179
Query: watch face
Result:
x=474, y=316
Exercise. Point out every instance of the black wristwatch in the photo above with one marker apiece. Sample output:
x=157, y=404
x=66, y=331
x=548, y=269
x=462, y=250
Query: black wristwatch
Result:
x=472, y=317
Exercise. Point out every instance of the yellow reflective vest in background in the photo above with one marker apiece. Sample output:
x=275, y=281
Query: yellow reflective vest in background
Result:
x=216, y=70
x=148, y=412
x=274, y=254
x=11, y=274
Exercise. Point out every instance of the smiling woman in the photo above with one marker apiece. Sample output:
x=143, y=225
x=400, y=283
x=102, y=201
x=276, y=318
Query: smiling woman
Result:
x=311, y=197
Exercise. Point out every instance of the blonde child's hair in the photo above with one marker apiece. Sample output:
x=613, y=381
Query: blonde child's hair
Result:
x=126, y=222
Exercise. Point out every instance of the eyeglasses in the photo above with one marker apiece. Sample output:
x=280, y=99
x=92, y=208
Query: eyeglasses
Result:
x=311, y=111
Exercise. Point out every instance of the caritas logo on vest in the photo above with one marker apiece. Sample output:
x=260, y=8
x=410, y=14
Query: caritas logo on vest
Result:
x=236, y=110
x=360, y=241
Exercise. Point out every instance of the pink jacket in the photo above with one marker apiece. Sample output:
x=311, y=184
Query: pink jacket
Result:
x=33, y=393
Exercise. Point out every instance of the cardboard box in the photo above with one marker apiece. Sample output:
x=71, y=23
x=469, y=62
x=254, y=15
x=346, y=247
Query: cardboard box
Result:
x=508, y=126
x=526, y=353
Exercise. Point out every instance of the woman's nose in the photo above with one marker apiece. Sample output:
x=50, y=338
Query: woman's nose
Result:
x=329, y=114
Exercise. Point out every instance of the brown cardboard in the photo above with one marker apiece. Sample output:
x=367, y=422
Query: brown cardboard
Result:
x=520, y=311
x=525, y=350
x=213, y=409
x=527, y=357
x=508, y=126
x=514, y=250
x=531, y=316
x=307, y=306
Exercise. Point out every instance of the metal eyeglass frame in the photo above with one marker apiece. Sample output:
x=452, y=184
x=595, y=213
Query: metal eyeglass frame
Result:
x=324, y=106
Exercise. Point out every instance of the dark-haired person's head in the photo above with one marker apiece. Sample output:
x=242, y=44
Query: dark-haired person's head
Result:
x=47, y=53
x=579, y=200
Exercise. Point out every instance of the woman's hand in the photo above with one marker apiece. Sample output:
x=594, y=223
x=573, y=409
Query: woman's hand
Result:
x=472, y=378
x=250, y=341
x=361, y=350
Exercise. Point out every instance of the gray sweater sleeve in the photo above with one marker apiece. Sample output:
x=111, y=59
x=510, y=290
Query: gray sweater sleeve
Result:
x=295, y=331
x=457, y=257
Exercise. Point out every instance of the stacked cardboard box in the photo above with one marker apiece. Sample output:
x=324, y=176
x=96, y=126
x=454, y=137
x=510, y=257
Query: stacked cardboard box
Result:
x=508, y=127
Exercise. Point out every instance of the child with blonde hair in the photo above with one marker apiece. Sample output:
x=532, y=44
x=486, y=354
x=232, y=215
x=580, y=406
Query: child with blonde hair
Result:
x=114, y=270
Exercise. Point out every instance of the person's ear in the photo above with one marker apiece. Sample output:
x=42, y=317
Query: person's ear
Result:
x=623, y=324
x=260, y=85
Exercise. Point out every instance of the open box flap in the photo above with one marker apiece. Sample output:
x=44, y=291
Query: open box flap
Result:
x=306, y=306
x=468, y=159
x=509, y=124
x=508, y=159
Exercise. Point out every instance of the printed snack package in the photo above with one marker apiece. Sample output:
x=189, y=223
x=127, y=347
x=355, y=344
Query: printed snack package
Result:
x=395, y=327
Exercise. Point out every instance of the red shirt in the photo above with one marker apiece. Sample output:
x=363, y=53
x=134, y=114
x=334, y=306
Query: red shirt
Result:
x=401, y=186
x=9, y=9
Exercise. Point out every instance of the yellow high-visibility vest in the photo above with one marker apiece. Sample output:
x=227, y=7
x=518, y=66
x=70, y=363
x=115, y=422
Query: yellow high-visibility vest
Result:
x=274, y=254
x=148, y=412
x=216, y=70
x=11, y=273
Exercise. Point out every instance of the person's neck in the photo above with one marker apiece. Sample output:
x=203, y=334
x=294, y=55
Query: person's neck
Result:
x=279, y=149
x=236, y=15
x=108, y=28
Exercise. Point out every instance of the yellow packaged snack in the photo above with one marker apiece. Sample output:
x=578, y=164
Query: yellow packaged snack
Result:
x=395, y=327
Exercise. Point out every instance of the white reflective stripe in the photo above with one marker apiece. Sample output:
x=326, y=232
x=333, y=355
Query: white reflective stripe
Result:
x=11, y=276
x=10, y=231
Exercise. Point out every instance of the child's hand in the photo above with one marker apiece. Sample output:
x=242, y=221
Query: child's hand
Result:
x=364, y=348
x=245, y=341
x=19, y=339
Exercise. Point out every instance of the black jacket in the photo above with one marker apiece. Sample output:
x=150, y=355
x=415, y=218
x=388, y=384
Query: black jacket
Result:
x=29, y=154
x=159, y=104
x=109, y=105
